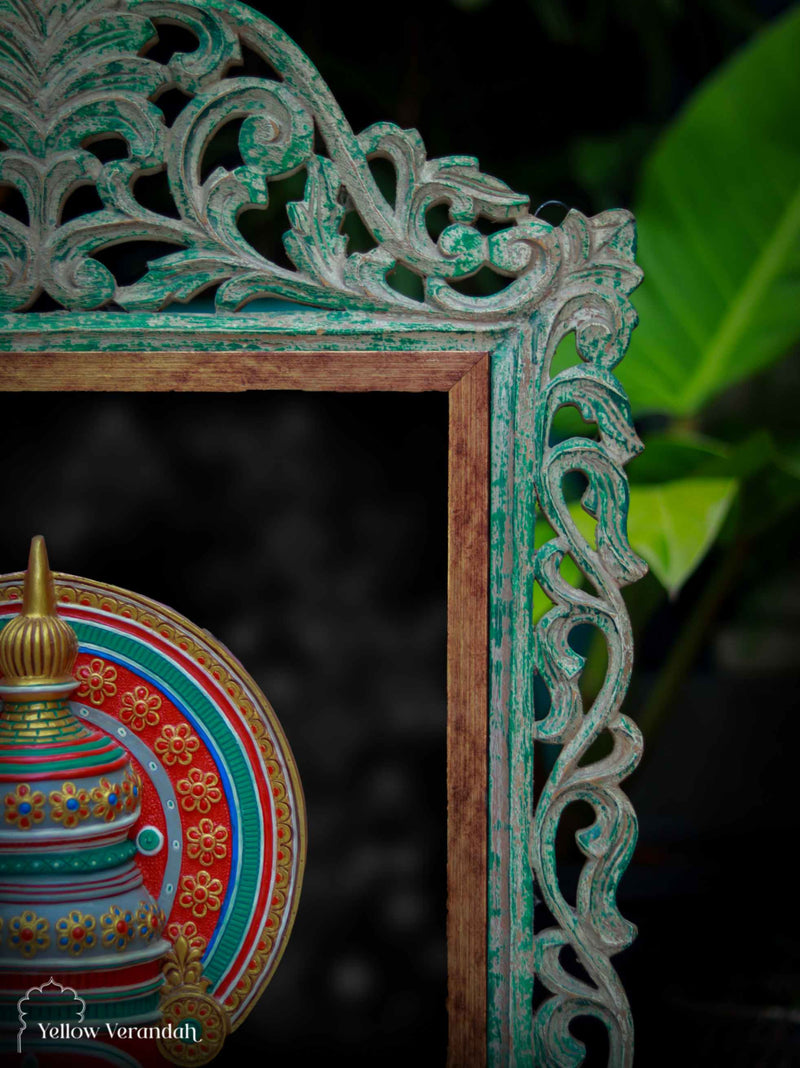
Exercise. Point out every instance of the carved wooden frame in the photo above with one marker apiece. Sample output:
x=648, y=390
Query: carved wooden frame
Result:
x=493, y=354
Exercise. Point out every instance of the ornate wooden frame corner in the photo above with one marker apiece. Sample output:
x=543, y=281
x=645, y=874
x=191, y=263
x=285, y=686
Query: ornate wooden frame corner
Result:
x=343, y=326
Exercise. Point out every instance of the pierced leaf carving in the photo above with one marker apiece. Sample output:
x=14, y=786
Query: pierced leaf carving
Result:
x=314, y=243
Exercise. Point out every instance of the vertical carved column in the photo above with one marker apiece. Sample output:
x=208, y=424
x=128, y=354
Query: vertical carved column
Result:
x=592, y=302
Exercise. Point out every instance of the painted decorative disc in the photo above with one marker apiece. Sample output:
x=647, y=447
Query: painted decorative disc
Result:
x=222, y=835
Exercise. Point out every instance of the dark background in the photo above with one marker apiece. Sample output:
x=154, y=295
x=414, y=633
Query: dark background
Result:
x=308, y=533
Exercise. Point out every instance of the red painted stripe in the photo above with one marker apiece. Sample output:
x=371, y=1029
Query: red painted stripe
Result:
x=85, y=977
x=58, y=843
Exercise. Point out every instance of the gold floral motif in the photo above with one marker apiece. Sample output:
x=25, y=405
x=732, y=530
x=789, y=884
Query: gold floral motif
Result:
x=108, y=800
x=75, y=932
x=29, y=933
x=149, y=921
x=98, y=680
x=118, y=928
x=199, y=791
x=201, y=893
x=176, y=744
x=131, y=791
x=207, y=842
x=140, y=708
x=69, y=805
x=24, y=807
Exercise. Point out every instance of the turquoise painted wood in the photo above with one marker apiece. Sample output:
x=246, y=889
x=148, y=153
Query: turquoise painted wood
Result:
x=75, y=72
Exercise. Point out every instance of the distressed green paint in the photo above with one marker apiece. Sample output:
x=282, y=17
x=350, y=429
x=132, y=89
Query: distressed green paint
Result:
x=90, y=82
x=593, y=927
x=511, y=901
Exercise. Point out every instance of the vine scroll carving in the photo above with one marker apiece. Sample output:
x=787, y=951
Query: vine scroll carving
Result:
x=78, y=75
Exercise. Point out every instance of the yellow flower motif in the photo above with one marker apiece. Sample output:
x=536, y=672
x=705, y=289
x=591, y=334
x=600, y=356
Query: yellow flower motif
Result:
x=140, y=708
x=98, y=680
x=207, y=842
x=199, y=791
x=69, y=805
x=28, y=933
x=118, y=928
x=200, y=893
x=24, y=807
x=108, y=800
x=176, y=744
x=149, y=921
x=75, y=932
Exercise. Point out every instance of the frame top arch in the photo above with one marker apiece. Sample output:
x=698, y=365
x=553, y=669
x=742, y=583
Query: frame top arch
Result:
x=77, y=74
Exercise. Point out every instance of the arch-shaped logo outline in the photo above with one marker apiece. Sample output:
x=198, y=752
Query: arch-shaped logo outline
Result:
x=40, y=990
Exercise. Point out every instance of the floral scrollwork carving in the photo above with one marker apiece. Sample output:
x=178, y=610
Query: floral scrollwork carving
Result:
x=594, y=304
x=93, y=80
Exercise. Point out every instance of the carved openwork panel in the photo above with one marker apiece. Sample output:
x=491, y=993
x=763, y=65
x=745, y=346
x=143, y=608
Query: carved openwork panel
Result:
x=83, y=104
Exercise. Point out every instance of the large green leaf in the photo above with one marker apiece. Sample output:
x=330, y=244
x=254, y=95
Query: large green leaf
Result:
x=719, y=232
x=674, y=455
x=673, y=524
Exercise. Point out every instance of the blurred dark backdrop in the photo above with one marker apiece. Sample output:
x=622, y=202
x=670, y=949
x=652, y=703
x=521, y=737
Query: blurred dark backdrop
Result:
x=308, y=533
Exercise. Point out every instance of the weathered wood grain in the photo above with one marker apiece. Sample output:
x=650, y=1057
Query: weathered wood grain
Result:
x=467, y=716
x=234, y=371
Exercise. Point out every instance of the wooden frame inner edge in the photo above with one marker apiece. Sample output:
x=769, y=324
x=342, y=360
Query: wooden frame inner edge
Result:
x=465, y=376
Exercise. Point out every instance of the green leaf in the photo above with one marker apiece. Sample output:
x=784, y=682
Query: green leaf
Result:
x=671, y=456
x=673, y=524
x=719, y=232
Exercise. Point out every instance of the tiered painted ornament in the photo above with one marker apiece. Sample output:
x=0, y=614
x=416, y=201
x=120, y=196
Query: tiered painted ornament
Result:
x=152, y=835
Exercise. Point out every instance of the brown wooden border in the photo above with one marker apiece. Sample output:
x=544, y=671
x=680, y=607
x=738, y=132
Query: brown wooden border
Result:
x=465, y=376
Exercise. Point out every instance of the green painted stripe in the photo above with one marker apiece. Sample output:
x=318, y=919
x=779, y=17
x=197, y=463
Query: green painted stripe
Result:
x=80, y=862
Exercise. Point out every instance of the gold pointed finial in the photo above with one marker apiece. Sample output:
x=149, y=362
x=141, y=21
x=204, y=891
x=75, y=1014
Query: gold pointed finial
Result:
x=39, y=594
x=37, y=648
